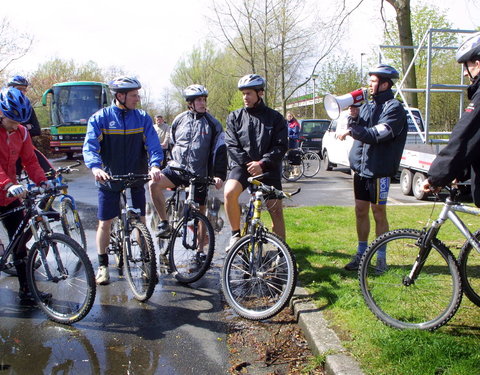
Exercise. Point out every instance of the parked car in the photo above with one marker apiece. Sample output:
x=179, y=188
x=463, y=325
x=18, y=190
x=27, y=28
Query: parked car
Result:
x=312, y=131
x=335, y=152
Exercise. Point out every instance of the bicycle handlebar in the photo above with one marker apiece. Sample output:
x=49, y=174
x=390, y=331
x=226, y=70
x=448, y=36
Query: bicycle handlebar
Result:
x=193, y=178
x=130, y=177
x=270, y=189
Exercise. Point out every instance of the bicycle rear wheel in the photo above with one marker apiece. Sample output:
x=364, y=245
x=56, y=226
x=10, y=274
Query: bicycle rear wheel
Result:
x=311, y=163
x=291, y=172
x=258, y=282
x=57, y=265
x=139, y=261
x=469, y=261
x=71, y=223
x=191, y=253
x=429, y=301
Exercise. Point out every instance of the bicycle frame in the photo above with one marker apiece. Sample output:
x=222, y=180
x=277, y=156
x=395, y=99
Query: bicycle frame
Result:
x=449, y=210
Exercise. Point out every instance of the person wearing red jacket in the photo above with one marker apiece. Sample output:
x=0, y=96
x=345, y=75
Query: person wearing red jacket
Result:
x=15, y=142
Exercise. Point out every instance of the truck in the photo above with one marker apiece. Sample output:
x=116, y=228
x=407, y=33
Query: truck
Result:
x=71, y=105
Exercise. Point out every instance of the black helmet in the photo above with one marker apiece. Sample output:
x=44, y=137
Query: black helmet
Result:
x=385, y=71
x=251, y=81
x=17, y=81
x=124, y=84
x=469, y=50
x=194, y=91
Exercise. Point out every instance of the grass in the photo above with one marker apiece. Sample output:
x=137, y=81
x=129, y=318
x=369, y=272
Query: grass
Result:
x=324, y=239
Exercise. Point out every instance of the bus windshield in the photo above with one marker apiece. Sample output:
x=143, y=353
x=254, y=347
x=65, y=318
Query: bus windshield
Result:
x=75, y=104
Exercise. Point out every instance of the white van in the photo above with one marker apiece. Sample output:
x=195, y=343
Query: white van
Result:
x=335, y=152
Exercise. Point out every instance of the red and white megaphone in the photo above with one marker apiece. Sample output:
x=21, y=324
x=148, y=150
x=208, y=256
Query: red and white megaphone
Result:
x=336, y=104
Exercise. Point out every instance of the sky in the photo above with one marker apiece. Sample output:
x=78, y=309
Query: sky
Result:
x=147, y=38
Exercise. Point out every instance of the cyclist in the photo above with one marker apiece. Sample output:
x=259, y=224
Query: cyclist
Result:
x=31, y=124
x=198, y=146
x=460, y=158
x=120, y=139
x=15, y=142
x=379, y=129
x=257, y=139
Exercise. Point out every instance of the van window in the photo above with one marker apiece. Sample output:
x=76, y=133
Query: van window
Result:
x=314, y=128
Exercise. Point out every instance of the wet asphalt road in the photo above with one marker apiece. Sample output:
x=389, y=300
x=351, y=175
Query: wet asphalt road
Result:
x=180, y=330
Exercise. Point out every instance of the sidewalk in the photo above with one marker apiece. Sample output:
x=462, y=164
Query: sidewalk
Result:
x=321, y=339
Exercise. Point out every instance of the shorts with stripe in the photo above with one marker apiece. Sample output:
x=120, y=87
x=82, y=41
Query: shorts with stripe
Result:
x=373, y=190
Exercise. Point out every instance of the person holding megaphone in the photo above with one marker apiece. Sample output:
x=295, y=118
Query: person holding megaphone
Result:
x=379, y=129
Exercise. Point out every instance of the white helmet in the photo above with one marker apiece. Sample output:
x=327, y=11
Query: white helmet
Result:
x=469, y=50
x=194, y=91
x=124, y=84
x=251, y=81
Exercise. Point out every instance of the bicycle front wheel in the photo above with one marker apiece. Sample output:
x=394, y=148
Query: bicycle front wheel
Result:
x=191, y=248
x=259, y=276
x=291, y=172
x=71, y=223
x=59, y=267
x=139, y=261
x=311, y=164
x=469, y=261
x=427, y=302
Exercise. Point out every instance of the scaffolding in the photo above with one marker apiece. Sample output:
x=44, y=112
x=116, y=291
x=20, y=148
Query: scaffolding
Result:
x=430, y=88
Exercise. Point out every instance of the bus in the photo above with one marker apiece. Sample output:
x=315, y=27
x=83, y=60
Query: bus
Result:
x=71, y=105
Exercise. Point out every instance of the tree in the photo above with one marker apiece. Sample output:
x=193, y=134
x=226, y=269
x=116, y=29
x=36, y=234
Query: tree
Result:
x=276, y=39
x=13, y=44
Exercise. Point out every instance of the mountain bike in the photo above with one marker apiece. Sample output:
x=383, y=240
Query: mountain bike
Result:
x=70, y=219
x=190, y=247
x=259, y=273
x=57, y=266
x=422, y=286
x=132, y=244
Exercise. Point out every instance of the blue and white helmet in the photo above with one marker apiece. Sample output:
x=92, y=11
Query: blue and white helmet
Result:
x=385, y=71
x=124, y=84
x=194, y=91
x=469, y=50
x=251, y=81
x=17, y=81
x=15, y=105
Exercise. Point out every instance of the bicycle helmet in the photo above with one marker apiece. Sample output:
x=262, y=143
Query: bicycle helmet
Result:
x=15, y=105
x=194, y=91
x=17, y=81
x=124, y=84
x=251, y=81
x=469, y=50
x=385, y=71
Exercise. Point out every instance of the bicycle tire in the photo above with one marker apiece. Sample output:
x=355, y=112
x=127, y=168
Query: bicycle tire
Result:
x=71, y=223
x=185, y=263
x=427, y=303
x=72, y=290
x=469, y=263
x=140, y=264
x=291, y=172
x=259, y=293
x=311, y=163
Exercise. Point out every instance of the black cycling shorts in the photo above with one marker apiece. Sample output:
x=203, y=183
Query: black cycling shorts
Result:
x=201, y=190
x=241, y=175
x=373, y=190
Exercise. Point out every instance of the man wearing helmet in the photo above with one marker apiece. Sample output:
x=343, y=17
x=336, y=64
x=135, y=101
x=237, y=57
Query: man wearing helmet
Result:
x=460, y=158
x=198, y=146
x=15, y=142
x=257, y=139
x=380, y=131
x=120, y=139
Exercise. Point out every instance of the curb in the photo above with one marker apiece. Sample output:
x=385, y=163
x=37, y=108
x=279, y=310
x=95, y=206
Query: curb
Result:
x=322, y=340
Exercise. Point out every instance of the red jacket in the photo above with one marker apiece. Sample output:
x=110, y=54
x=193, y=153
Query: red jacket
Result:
x=12, y=146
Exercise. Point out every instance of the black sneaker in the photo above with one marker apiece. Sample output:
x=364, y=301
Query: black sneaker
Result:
x=164, y=230
x=27, y=298
x=353, y=264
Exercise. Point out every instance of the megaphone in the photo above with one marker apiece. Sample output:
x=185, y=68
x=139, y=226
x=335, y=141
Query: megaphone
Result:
x=336, y=104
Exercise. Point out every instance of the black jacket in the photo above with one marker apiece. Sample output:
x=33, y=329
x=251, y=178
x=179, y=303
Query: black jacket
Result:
x=257, y=134
x=460, y=158
x=380, y=134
